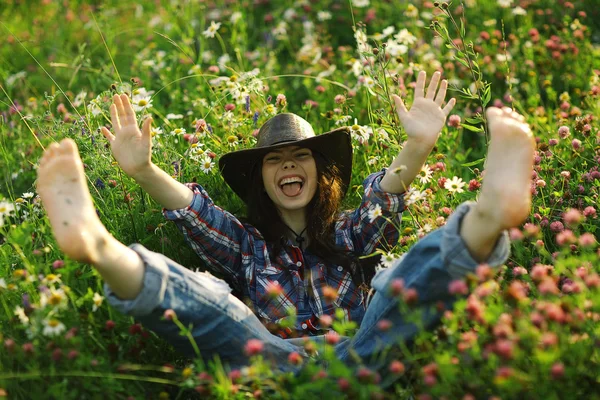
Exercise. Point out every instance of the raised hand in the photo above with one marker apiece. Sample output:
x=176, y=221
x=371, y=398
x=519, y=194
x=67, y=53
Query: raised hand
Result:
x=131, y=147
x=426, y=117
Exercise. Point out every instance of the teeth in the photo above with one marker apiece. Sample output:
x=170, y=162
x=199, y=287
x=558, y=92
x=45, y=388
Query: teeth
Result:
x=290, y=180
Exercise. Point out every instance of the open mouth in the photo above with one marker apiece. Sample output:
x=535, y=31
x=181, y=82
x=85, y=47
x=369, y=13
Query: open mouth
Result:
x=292, y=186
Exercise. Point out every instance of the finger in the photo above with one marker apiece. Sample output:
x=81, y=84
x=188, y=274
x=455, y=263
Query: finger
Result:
x=146, y=129
x=432, y=88
x=449, y=106
x=441, y=95
x=114, y=117
x=119, y=105
x=107, y=134
x=128, y=109
x=400, y=107
x=420, y=88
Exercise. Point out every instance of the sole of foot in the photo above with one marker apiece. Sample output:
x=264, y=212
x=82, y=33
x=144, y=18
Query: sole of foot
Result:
x=63, y=189
x=505, y=197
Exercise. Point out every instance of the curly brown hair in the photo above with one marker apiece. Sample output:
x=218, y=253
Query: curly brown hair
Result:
x=322, y=215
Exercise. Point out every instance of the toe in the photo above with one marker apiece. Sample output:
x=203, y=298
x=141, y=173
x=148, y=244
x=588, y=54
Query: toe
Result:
x=68, y=146
x=51, y=150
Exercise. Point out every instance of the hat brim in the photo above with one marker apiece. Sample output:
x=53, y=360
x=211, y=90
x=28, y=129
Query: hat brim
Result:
x=237, y=166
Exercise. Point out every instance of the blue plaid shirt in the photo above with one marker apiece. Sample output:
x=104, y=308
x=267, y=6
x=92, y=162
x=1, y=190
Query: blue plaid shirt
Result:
x=299, y=277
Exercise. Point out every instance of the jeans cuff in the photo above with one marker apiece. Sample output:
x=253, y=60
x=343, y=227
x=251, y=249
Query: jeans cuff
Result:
x=454, y=251
x=153, y=287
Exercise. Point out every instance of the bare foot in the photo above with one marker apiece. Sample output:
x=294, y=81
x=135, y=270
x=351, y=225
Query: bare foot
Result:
x=66, y=198
x=505, y=194
x=505, y=199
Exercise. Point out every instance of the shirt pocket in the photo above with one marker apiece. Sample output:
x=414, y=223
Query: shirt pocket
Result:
x=276, y=292
x=349, y=295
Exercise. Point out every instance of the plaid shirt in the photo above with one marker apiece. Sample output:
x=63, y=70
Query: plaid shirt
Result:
x=295, y=278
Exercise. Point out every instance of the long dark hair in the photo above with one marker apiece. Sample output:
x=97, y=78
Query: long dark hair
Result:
x=322, y=215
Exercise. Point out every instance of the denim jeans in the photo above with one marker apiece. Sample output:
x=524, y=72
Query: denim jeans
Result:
x=222, y=324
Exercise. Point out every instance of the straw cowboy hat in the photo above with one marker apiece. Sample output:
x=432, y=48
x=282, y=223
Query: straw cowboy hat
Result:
x=284, y=130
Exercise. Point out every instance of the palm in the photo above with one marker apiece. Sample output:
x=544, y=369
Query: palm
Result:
x=131, y=147
x=426, y=117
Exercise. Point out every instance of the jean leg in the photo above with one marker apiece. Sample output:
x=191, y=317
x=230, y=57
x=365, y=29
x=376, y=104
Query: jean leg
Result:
x=221, y=323
x=430, y=265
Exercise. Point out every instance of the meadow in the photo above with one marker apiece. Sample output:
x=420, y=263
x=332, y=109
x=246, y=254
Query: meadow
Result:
x=210, y=73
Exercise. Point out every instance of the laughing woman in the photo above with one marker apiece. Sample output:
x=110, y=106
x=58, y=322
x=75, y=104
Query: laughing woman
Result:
x=295, y=250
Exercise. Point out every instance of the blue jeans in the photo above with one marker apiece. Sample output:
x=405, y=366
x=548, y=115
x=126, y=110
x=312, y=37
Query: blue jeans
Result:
x=222, y=324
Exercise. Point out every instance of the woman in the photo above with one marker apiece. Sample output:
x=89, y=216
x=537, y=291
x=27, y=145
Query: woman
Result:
x=314, y=256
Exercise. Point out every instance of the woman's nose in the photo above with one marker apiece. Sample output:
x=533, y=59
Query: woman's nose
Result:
x=289, y=164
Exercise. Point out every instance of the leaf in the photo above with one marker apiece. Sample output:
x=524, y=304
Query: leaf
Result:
x=472, y=163
x=474, y=121
x=472, y=128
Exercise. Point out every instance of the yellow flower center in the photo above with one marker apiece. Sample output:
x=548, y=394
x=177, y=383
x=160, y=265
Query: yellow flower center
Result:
x=142, y=103
x=232, y=139
x=55, y=299
x=53, y=323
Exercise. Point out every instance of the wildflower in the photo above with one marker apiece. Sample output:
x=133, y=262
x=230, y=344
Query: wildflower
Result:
x=374, y=213
x=343, y=384
x=141, y=104
x=564, y=132
x=52, y=327
x=171, y=116
x=206, y=164
x=458, y=286
x=455, y=185
x=28, y=195
x=505, y=3
x=454, y=121
x=20, y=312
x=232, y=140
x=56, y=298
x=397, y=287
x=388, y=259
x=235, y=17
x=169, y=314
x=576, y=144
x=212, y=29
x=323, y=15
x=360, y=3
x=97, y=301
x=295, y=358
x=274, y=289
x=557, y=370
x=425, y=174
x=51, y=278
x=2, y=283
x=178, y=131
x=253, y=347
x=6, y=208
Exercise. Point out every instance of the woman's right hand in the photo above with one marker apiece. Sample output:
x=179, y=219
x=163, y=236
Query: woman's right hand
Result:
x=131, y=147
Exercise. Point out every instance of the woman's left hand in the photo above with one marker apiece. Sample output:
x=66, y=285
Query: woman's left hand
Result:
x=426, y=118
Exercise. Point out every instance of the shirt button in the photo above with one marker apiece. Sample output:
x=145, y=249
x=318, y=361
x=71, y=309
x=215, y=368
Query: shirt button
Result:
x=275, y=282
x=298, y=264
x=340, y=268
x=304, y=326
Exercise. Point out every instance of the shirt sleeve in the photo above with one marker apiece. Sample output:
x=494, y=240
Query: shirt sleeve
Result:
x=216, y=235
x=366, y=235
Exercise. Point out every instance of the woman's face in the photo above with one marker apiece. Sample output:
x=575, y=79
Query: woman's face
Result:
x=290, y=177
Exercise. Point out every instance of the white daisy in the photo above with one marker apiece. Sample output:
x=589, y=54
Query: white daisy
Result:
x=360, y=3
x=177, y=131
x=171, y=116
x=97, y=301
x=28, y=195
x=375, y=212
x=156, y=130
x=212, y=29
x=388, y=259
x=53, y=327
x=2, y=283
x=425, y=174
x=206, y=164
x=20, y=312
x=455, y=185
x=142, y=103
